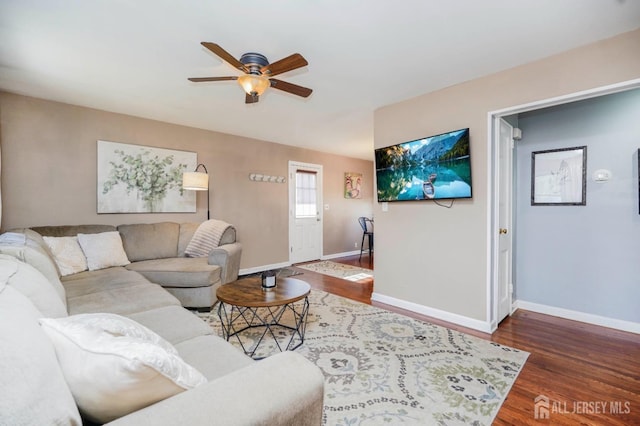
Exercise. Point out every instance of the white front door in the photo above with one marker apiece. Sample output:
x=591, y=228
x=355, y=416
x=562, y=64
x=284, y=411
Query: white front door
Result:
x=505, y=235
x=305, y=212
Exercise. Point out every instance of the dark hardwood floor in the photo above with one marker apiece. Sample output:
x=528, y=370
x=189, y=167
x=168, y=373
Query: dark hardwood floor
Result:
x=590, y=374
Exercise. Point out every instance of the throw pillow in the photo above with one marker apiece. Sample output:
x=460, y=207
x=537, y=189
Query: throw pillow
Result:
x=67, y=254
x=103, y=250
x=115, y=366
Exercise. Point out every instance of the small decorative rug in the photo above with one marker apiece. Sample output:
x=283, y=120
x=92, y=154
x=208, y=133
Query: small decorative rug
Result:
x=346, y=272
x=287, y=272
x=385, y=368
x=280, y=273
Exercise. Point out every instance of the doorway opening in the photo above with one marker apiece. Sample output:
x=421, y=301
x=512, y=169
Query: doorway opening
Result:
x=499, y=206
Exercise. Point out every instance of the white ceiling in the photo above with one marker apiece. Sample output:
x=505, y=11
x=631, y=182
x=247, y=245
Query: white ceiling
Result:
x=134, y=56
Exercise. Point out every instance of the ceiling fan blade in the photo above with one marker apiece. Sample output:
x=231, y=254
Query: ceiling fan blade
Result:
x=289, y=63
x=290, y=88
x=223, y=54
x=251, y=99
x=199, y=79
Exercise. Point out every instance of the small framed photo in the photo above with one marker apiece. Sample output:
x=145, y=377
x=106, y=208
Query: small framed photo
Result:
x=559, y=177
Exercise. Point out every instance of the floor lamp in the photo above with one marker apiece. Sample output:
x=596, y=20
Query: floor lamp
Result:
x=197, y=181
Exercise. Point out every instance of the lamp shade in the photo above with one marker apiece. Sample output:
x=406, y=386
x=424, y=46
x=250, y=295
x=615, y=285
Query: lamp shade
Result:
x=195, y=181
x=254, y=84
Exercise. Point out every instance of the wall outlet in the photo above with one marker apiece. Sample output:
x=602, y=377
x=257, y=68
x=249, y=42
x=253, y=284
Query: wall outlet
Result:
x=355, y=245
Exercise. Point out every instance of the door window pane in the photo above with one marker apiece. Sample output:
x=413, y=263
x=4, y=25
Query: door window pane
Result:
x=306, y=194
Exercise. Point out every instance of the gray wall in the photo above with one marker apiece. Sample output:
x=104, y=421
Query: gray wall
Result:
x=49, y=176
x=583, y=258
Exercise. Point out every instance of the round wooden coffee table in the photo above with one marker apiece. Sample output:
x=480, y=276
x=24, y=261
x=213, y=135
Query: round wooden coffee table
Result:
x=245, y=305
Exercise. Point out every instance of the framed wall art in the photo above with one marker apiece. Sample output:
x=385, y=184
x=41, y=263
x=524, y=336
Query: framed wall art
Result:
x=559, y=177
x=352, y=185
x=143, y=179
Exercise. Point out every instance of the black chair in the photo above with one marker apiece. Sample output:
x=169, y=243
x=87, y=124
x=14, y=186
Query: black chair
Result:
x=367, y=231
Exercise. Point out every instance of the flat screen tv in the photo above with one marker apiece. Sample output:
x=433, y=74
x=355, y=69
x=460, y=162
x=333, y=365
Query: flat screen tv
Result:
x=431, y=168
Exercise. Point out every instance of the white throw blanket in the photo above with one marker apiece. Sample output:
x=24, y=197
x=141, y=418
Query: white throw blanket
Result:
x=206, y=237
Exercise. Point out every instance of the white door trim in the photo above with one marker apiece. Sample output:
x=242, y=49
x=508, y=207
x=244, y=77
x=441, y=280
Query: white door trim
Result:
x=293, y=166
x=492, y=177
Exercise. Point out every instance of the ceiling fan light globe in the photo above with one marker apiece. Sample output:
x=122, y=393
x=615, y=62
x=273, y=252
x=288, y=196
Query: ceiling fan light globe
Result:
x=253, y=84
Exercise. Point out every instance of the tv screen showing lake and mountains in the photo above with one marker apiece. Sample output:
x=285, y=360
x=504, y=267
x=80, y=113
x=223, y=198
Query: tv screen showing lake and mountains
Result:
x=435, y=167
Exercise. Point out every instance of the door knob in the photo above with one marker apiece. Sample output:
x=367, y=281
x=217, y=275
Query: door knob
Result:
x=503, y=231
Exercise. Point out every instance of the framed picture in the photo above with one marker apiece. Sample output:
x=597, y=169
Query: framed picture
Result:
x=143, y=179
x=559, y=177
x=352, y=185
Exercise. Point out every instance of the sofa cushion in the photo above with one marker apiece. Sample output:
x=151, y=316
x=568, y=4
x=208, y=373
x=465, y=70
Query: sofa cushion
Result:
x=186, y=233
x=34, y=389
x=124, y=301
x=178, y=271
x=150, y=240
x=212, y=356
x=67, y=254
x=72, y=230
x=103, y=279
x=103, y=250
x=142, y=367
x=30, y=282
x=196, y=297
x=174, y=323
x=29, y=247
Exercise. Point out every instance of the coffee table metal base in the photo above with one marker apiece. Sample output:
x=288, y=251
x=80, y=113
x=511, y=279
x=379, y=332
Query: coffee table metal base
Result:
x=238, y=319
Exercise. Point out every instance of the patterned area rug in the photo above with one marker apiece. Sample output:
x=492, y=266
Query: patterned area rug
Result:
x=384, y=368
x=346, y=272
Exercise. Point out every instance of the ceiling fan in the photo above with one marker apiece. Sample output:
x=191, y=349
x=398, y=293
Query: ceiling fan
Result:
x=258, y=72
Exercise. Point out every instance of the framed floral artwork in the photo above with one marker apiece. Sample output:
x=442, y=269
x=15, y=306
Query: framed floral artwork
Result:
x=143, y=179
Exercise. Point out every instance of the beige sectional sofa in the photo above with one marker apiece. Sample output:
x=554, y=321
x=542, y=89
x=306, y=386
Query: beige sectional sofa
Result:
x=47, y=373
x=157, y=251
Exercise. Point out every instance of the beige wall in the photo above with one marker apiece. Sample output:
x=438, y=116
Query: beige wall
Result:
x=437, y=257
x=49, y=176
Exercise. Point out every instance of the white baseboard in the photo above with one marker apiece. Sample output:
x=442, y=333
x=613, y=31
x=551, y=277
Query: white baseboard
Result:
x=255, y=269
x=632, y=327
x=461, y=320
x=345, y=254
